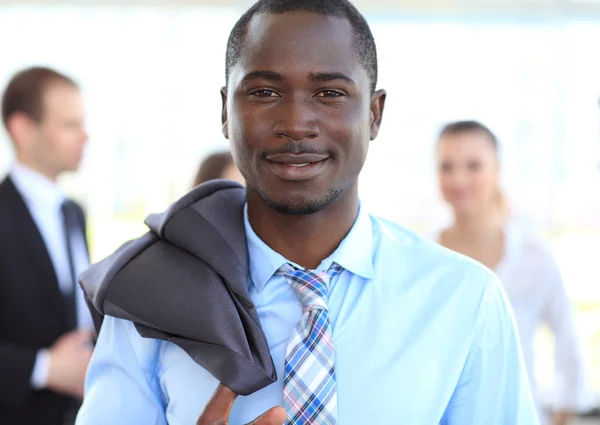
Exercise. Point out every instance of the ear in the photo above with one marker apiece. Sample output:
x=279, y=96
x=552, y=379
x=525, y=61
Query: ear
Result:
x=377, y=105
x=21, y=129
x=224, y=113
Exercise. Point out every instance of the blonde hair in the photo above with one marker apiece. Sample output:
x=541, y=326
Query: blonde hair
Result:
x=502, y=205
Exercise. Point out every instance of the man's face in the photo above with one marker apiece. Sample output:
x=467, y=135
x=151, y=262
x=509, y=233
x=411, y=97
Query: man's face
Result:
x=298, y=110
x=60, y=136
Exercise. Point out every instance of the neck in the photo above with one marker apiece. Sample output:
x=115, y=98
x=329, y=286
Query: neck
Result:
x=35, y=166
x=477, y=226
x=304, y=239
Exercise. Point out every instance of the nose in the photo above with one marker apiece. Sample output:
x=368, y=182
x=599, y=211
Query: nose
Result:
x=296, y=119
x=458, y=178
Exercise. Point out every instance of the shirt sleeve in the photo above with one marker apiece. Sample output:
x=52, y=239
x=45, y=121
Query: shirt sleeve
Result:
x=569, y=385
x=121, y=386
x=493, y=388
x=39, y=376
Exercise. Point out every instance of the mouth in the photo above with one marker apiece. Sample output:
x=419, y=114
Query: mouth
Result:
x=297, y=167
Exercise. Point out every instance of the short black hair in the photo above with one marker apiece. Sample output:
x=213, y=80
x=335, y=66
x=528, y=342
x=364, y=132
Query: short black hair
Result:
x=365, y=43
x=470, y=126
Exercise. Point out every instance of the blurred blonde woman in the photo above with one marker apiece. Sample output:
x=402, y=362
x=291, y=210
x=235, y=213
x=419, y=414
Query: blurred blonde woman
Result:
x=469, y=179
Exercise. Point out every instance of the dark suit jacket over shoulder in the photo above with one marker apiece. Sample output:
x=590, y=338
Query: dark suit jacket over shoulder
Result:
x=186, y=282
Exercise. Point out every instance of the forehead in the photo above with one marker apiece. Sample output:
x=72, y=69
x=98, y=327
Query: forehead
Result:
x=466, y=143
x=299, y=43
x=61, y=98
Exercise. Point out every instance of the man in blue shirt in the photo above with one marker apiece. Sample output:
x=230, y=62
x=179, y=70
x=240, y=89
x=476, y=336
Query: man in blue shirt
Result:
x=366, y=322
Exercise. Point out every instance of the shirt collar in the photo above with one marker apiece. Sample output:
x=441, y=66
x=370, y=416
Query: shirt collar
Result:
x=354, y=254
x=35, y=187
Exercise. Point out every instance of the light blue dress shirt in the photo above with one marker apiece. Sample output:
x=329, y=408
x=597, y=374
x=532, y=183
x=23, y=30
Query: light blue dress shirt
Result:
x=422, y=336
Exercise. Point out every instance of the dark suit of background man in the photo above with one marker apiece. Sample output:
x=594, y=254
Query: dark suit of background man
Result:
x=44, y=323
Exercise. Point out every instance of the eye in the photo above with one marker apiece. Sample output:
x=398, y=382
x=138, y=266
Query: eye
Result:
x=445, y=167
x=263, y=93
x=474, y=166
x=330, y=93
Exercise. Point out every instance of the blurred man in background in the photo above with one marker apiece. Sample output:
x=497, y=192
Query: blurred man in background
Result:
x=44, y=339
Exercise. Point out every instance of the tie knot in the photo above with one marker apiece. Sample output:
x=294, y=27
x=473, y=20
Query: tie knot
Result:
x=311, y=286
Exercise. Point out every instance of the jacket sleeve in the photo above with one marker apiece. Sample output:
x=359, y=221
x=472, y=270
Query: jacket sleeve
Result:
x=16, y=367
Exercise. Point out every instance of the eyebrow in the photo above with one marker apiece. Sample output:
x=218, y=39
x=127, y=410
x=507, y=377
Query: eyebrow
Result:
x=314, y=76
x=330, y=76
x=265, y=75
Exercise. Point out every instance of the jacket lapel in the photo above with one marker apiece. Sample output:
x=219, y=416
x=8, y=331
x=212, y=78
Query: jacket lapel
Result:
x=37, y=257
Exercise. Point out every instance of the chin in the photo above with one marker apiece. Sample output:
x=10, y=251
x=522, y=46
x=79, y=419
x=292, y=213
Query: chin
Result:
x=301, y=205
x=75, y=166
x=464, y=210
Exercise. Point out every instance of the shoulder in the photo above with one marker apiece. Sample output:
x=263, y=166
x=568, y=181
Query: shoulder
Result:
x=445, y=288
x=399, y=240
x=529, y=248
x=119, y=338
x=8, y=192
x=9, y=196
x=427, y=261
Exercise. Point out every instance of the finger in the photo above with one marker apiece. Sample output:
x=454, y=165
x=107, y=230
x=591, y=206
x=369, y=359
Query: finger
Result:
x=80, y=333
x=274, y=416
x=217, y=410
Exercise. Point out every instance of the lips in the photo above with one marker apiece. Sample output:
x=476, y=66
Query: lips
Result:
x=297, y=167
x=297, y=159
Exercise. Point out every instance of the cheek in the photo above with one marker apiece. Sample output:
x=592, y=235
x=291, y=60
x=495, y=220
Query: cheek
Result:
x=444, y=182
x=482, y=183
x=350, y=129
x=248, y=128
x=453, y=180
x=237, y=138
x=458, y=186
x=448, y=186
x=70, y=142
x=53, y=140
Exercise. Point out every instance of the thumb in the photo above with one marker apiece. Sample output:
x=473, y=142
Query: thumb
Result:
x=83, y=336
x=274, y=416
x=217, y=410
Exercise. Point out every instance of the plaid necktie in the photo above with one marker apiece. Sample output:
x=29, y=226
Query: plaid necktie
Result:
x=309, y=389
